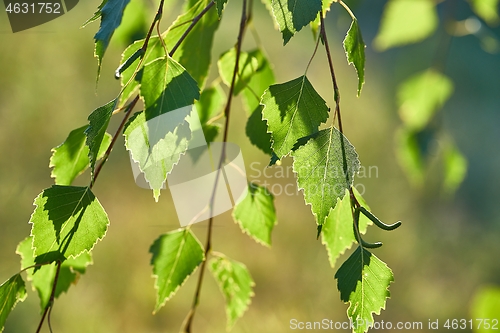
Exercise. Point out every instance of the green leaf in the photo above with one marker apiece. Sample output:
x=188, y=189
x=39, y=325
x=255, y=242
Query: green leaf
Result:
x=154, y=51
x=157, y=145
x=42, y=278
x=325, y=166
x=67, y=221
x=485, y=305
x=195, y=52
x=134, y=24
x=97, y=14
x=95, y=132
x=256, y=130
x=455, y=168
x=11, y=291
x=406, y=22
x=256, y=214
x=70, y=159
x=293, y=110
x=210, y=105
x=293, y=15
x=236, y=285
x=111, y=12
x=317, y=22
x=220, y=6
x=363, y=280
x=166, y=86
x=421, y=95
x=247, y=66
x=338, y=232
x=409, y=156
x=176, y=255
x=354, y=47
x=487, y=10
x=258, y=83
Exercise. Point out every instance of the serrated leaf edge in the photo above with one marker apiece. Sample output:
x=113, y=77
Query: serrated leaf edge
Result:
x=155, y=276
x=70, y=256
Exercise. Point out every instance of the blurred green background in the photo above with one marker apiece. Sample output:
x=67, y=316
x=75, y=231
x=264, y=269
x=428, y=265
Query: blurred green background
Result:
x=446, y=250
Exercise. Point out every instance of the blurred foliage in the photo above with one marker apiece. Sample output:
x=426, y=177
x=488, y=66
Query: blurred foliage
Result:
x=445, y=250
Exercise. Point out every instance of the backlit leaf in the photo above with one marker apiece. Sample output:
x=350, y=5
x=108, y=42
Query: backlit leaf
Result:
x=236, y=285
x=354, y=47
x=166, y=86
x=111, y=14
x=95, y=132
x=256, y=130
x=363, y=281
x=42, y=278
x=256, y=214
x=455, y=168
x=293, y=110
x=259, y=81
x=220, y=6
x=406, y=22
x=325, y=166
x=71, y=158
x=485, y=304
x=487, y=10
x=293, y=15
x=337, y=232
x=420, y=96
x=67, y=221
x=195, y=52
x=247, y=64
x=176, y=255
x=11, y=291
x=157, y=137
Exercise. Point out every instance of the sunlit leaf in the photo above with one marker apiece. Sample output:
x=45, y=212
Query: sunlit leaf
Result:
x=354, y=47
x=406, y=22
x=455, y=168
x=293, y=15
x=338, y=231
x=111, y=12
x=42, y=278
x=176, y=255
x=195, y=52
x=247, y=66
x=210, y=105
x=12, y=291
x=410, y=157
x=157, y=140
x=487, y=10
x=71, y=158
x=134, y=24
x=363, y=281
x=485, y=305
x=259, y=81
x=95, y=132
x=220, y=6
x=420, y=96
x=293, y=110
x=236, y=285
x=256, y=130
x=256, y=214
x=67, y=221
x=325, y=166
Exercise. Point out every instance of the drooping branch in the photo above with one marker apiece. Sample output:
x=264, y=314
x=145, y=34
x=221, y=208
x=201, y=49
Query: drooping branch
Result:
x=227, y=112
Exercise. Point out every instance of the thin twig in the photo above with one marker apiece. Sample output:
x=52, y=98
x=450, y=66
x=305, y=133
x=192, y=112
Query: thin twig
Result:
x=336, y=91
x=227, y=111
x=51, y=299
x=117, y=133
